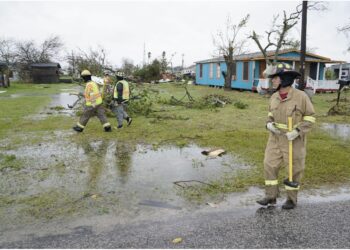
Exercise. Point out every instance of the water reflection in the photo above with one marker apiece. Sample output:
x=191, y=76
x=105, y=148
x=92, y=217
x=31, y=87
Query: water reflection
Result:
x=123, y=154
x=95, y=152
x=337, y=130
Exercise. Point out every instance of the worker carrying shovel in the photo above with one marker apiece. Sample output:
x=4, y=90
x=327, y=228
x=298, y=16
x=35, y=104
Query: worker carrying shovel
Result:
x=93, y=105
x=290, y=117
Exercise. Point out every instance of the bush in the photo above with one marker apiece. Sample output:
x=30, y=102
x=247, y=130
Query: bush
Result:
x=240, y=105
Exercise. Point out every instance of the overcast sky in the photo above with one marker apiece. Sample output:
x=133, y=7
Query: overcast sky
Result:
x=177, y=27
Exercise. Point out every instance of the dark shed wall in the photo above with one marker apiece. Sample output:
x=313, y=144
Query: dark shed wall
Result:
x=45, y=75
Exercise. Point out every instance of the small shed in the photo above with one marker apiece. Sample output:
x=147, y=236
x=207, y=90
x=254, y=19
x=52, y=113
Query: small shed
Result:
x=45, y=72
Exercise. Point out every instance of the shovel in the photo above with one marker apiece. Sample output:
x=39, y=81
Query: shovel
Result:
x=289, y=182
x=75, y=103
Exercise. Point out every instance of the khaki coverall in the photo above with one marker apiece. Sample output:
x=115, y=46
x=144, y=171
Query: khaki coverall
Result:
x=298, y=105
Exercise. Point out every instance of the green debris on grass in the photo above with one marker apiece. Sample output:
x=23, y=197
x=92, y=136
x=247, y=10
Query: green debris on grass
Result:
x=238, y=127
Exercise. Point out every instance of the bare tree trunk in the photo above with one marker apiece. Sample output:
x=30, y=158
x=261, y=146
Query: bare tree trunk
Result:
x=229, y=64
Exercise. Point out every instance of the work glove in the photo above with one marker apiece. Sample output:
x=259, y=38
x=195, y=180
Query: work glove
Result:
x=271, y=126
x=292, y=135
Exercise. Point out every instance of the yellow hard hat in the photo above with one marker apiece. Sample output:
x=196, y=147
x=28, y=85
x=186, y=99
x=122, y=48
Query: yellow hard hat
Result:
x=85, y=72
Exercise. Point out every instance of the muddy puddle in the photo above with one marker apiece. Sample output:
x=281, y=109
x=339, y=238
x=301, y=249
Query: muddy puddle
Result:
x=337, y=130
x=105, y=177
x=62, y=103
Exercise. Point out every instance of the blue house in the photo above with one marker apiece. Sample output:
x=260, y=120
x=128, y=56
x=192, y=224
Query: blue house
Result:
x=248, y=70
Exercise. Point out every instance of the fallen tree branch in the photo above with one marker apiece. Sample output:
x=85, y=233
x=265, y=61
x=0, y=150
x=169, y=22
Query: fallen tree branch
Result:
x=178, y=183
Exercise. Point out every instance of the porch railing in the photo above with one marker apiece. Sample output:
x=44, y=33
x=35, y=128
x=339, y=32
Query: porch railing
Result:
x=316, y=86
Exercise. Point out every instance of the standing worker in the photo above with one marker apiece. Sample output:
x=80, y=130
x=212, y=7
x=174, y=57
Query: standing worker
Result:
x=286, y=102
x=107, y=89
x=121, y=96
x=93, y=107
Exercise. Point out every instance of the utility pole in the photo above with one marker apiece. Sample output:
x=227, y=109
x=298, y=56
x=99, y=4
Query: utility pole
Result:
x=149, y=58
x=302, y=83
x=183, y=61
x=144, y=55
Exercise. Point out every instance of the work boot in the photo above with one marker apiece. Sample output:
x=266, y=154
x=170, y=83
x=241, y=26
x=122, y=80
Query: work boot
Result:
x=129, y=120
x=78, y=129
x=288, y=205
x=266, y=201
x=108, y=129
x=120, y=126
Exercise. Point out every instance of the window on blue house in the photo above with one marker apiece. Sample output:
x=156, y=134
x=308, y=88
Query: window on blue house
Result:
x=218, y=71
x=234, y=72
x=245, y=71
x=211, y=66
x=200, y=70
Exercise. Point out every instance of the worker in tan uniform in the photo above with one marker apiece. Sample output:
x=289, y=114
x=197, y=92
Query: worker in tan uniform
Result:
x=107, y=89
x=286, y=102
x=93, y=105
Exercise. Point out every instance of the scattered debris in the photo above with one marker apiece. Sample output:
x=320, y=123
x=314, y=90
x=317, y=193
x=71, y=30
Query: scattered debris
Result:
x=177, y=240
x=208, y=101
x=343, y=109
x=214, y=205
x=57, y=108
x=184, y=184
x=214, y=152
x=168, y=117
x=240, y=105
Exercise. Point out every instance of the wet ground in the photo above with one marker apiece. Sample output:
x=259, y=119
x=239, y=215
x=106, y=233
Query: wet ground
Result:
x=61, y=104
x=60, y=179
x=337, y=130
x=58, y=185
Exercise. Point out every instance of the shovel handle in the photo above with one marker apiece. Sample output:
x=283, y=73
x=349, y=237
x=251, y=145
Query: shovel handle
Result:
x=290, y=127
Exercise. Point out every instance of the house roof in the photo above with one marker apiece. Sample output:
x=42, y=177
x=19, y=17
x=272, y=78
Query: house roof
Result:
x=45, y=65
x=310, y=57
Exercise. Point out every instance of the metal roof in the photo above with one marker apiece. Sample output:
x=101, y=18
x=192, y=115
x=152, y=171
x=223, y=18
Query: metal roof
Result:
x=270, y=55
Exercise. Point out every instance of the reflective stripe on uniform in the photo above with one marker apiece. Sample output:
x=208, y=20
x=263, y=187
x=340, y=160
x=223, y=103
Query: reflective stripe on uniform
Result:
x=309, y=119
x=284, y=126
x=291, y=188
x=79, y=125
x=92, y=94
x=270, y=114
x=107, y=124
x=281, y=125
x=271, y=182
x=126, y=90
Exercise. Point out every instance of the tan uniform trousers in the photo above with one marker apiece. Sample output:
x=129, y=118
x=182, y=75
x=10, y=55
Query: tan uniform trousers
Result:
x=90, y=111
x=276, y=156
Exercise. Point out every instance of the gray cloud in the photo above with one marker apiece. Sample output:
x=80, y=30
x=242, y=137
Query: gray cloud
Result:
x=184, y=27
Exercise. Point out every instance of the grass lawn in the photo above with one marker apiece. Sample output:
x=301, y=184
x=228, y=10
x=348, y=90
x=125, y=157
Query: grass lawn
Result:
x=238, y=131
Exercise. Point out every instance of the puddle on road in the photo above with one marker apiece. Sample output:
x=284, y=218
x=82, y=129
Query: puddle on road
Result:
x=63, y=100
x=124, y=178
x=337, y=130
x=112, y=166
x=58, y=105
